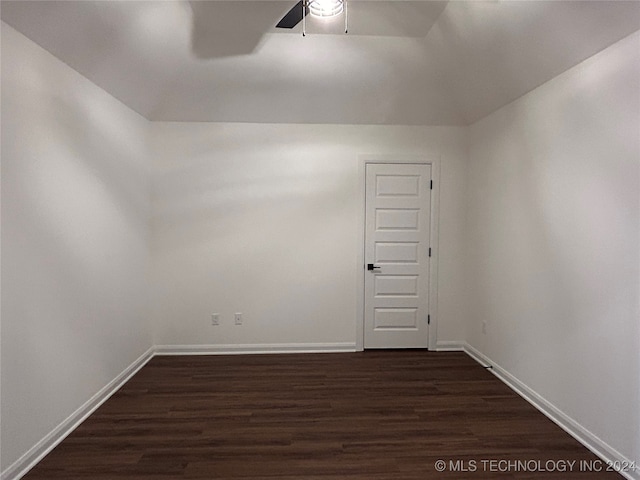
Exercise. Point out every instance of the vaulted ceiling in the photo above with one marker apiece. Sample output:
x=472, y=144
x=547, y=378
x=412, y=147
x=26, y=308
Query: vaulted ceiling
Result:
x=404, y=63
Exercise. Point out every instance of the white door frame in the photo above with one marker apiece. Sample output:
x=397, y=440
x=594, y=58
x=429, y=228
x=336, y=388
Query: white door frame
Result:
x=434, y=161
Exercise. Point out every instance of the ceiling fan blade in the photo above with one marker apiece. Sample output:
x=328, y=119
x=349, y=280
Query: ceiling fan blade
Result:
x=293, y=16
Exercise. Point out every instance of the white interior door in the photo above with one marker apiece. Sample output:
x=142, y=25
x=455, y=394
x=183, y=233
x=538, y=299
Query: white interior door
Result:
x=398, y=209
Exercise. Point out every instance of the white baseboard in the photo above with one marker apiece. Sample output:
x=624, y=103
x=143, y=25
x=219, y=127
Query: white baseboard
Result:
x=36, y=453
x=599, y=447
x=449, y=346
x=254, y=348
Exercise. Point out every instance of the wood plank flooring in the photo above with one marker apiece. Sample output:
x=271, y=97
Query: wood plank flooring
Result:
x=381, y=415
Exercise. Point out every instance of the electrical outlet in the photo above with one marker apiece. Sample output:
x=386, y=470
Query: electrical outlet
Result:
x=215, y=319
x=238, y=318
x=484, y=327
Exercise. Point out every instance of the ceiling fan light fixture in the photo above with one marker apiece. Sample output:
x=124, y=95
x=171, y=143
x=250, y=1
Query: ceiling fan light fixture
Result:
x=326, y=8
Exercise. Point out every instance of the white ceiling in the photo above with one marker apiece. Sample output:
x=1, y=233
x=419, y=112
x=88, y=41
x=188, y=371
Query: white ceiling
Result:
x=405, y=63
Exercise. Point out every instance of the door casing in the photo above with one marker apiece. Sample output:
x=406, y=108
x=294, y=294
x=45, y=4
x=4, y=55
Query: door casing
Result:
x=434, y=161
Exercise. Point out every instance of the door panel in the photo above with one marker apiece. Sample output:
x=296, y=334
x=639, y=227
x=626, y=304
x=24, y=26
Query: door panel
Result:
x=390, y=285
x=397, y=185
x=398, y=206
x=396, y=318
x=396, y=252
x=397, y=219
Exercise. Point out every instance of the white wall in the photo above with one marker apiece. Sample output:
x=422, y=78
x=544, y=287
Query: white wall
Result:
x=554, y=232
x=265, y=220
x=75, y=206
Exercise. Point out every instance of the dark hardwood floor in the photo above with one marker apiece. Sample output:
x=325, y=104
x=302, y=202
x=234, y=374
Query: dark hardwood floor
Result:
x=364, y=416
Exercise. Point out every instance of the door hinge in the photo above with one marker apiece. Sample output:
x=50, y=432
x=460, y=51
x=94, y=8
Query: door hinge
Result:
x=429, y=251
x=428, y=319
x=431, y=185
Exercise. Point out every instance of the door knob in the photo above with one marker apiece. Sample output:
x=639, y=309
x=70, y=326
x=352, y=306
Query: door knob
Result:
x=372, y=267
